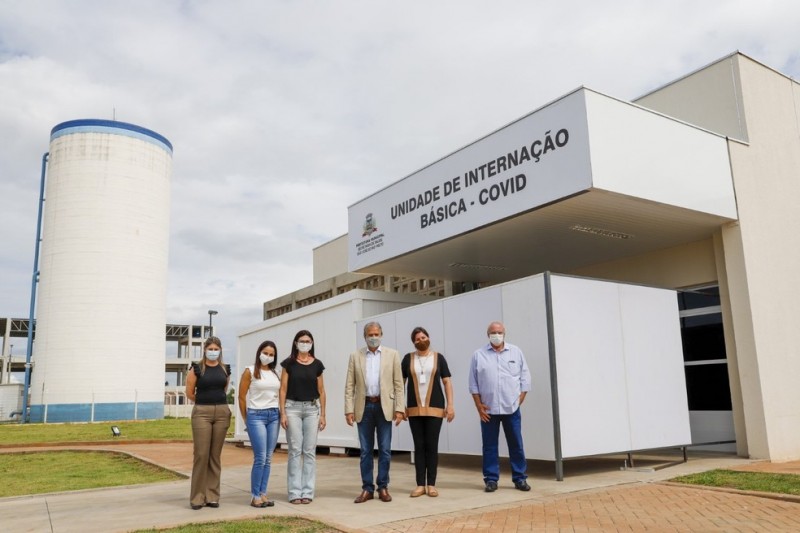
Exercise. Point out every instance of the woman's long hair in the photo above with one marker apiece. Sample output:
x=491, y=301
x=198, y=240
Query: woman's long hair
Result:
x=257, y=364
x=206, y=343
x=302, y=333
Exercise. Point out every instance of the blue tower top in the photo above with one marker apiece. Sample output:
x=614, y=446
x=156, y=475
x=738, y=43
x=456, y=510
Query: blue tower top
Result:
x=96, y=125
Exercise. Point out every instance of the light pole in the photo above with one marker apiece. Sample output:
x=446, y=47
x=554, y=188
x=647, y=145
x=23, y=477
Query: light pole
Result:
x=5, y=369
x=211, y=314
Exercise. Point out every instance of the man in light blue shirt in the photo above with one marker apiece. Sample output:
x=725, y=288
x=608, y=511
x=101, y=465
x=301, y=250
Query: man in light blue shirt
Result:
x=499, y=379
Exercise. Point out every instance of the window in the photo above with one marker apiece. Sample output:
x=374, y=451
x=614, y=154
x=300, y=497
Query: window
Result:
x=705, y=360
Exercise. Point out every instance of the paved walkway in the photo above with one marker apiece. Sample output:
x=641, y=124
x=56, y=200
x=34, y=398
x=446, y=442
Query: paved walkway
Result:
x=596, y=495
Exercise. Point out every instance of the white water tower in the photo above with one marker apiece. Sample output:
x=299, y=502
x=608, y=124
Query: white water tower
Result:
x=101, y=312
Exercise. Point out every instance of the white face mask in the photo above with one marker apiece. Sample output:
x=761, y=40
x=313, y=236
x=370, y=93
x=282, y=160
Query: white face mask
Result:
x=212, y=355
x=496, y=339
x=374, y=342
x=266, y=359
x=304, y=347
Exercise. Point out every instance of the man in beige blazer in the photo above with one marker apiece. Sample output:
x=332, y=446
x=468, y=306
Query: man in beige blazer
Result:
x=373, y=397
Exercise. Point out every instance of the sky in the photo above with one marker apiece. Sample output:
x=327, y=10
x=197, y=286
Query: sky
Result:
x=282, y=113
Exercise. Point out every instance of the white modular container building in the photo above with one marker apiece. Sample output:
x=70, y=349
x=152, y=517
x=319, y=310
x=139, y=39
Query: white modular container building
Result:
x=103, y=275
x=605, y=358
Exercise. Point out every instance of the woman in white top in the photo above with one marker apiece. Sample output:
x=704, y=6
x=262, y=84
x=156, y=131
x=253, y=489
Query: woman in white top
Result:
x=258, y=405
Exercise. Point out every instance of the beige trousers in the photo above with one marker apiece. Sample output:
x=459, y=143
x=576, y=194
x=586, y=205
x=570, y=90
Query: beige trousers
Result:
x=210, y=424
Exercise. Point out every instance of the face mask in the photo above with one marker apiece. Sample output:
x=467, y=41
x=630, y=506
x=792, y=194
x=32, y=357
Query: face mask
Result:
x=496, y=339
x=304, y=347
x=212, y=355
x=373, y=342
x=422, y=345
x=266, y=359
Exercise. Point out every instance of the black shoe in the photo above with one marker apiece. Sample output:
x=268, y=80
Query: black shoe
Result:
x=522, y=485
x=212, y=504
x=196, y=507
x=491, y=486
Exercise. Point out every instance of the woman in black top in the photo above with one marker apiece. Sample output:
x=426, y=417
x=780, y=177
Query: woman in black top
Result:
x=425, y=372
x=206, y=386
x=302, y=407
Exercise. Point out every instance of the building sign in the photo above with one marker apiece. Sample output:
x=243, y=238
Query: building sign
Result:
x=531, y=162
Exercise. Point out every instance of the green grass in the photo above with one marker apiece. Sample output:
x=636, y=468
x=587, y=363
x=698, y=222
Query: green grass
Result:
x=164, y=429
x=38, y=472
x=260, y=525
x=756, y=481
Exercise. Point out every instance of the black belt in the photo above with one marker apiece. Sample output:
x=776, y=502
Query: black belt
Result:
x=373, y=399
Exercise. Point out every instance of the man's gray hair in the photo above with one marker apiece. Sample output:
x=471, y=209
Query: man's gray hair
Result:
x=369, y=325
x=495, y=323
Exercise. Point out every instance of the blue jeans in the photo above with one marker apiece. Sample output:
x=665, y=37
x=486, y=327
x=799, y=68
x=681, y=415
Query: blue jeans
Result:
x=301, y=437
x=490, y=433
x=371, y=423
x=262, y=427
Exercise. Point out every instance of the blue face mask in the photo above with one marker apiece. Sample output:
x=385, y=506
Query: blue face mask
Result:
x=212, y=355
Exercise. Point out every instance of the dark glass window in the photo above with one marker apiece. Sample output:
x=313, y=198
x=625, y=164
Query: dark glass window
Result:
x=708, y=388
x=702, y=337
x=711, y=319
x=707, y=385
x=698, y=298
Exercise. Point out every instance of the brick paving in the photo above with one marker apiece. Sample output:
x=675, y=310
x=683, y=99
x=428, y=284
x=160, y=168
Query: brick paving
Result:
x=641, y=507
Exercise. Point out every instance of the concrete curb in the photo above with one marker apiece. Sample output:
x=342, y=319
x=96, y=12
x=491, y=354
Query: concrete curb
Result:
x=116, y=442
x=791, y=498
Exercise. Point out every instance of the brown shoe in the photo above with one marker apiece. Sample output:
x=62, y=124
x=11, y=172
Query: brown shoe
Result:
x=384, y=495
x=416, y=493
x=364, y=496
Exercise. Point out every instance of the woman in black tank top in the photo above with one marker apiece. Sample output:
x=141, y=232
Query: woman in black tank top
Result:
x=206, y=385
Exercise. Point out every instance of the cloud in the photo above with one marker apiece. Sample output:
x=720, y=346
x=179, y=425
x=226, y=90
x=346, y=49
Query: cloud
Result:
x=284, y=113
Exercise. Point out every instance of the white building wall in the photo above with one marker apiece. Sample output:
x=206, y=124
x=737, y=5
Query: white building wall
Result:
x=103, y=276
x=764, y=252
x=710, y=98
x=758, y=256
x=330, y=259
x=686, y=265
x=684, y=166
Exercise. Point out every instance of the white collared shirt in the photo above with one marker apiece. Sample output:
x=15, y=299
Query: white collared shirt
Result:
x=373, y=372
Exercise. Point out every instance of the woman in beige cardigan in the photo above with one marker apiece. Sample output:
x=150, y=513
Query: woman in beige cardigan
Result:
x=426, y=373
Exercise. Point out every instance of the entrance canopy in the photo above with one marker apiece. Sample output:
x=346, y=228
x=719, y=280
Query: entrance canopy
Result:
x=583, y=180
